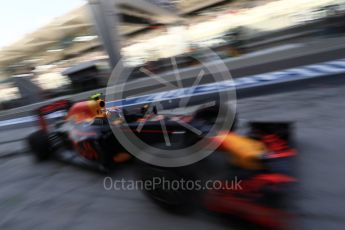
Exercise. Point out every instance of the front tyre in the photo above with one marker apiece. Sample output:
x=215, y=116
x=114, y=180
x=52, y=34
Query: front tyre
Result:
x=163, y=191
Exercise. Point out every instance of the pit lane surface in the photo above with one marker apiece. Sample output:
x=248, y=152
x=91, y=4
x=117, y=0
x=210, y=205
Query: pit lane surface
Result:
x=319, y=135
x=55, y=196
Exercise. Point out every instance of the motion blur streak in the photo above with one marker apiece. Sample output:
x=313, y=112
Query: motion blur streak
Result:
x=284, y=150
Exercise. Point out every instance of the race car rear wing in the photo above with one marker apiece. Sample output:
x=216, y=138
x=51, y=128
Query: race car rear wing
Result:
x=57, y=109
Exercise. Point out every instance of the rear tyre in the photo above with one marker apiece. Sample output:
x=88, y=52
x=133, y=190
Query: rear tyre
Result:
x=39, y=144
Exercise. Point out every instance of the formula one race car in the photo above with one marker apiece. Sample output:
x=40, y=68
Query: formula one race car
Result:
x=84, y=136
x=262, y=161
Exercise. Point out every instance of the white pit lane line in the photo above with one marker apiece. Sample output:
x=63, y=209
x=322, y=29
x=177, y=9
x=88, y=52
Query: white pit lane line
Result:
x=292, y=74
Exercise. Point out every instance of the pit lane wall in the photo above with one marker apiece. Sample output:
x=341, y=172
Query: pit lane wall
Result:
x=248, y=65
x=245, y=86
x=278, y=58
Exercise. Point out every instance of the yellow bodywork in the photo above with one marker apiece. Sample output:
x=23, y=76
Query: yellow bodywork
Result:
x=243, y=152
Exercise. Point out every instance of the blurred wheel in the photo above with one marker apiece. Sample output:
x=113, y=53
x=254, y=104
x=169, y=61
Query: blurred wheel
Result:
x=39, y=144
x=167, y=189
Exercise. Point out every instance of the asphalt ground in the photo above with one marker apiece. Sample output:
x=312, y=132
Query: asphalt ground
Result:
x=53, y=195
x=318, y=115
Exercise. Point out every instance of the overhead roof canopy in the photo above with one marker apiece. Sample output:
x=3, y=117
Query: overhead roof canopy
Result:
x=56, y=39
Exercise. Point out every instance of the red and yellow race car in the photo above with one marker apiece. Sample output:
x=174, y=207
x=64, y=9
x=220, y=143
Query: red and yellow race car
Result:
x=84, y=134
x=261, y=162
x=261, y=158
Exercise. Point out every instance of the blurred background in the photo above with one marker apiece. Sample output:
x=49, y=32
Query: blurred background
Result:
x=68, y=49
x=56, y=49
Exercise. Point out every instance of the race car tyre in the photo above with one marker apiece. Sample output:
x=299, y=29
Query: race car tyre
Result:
x=39, y=144
x=112, y=152
x=164, y=187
